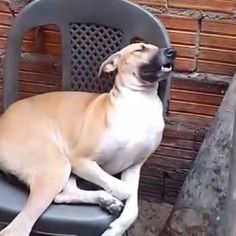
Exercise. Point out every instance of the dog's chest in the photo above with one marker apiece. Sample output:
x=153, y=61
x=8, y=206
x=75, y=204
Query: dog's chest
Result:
x=135, y=132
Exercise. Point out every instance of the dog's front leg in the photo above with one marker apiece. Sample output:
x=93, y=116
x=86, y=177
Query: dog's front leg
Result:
x=130, y=212
x=92, y=172
x=73, y=194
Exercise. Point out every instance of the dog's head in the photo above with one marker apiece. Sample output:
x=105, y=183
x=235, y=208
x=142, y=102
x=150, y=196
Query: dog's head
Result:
x=145, y=62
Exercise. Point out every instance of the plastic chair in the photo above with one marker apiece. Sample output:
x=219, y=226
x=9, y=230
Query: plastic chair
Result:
x=91, y=30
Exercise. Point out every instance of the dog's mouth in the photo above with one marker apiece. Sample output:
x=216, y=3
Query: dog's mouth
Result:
x=166, y=68
x=159, y=67
x=152, y=73
x=152, y=70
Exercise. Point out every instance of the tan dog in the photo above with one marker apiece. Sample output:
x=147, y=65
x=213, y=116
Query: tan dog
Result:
x=46, y=137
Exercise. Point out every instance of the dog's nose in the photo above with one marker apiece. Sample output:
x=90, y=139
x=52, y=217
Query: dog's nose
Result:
x=170, y=53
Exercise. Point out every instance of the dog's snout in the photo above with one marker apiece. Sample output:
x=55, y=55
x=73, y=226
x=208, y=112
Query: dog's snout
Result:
x=170, y=53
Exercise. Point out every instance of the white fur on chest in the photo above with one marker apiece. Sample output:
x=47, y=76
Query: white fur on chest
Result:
x=135, y=132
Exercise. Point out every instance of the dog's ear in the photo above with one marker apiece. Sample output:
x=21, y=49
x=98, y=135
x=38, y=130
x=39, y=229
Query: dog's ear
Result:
x=110, y=64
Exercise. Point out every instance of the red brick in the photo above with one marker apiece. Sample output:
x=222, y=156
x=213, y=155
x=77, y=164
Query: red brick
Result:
x=51, y=36
x=4, y=7
x=209, y=87
x=4, y=31
x=5, y=18
x=179, y=143
x=217, y=52
x=179, y=153
x=183, y=35
x=212, y=5
x=36, y=88
x=222, y=27
x=31, y=46
x=184, y=51
x=185, y=64
x=199, y=120
x=216, y=67
x=39, y=78
x=40, y=64
x=194, y=108
x=162, y=3
x=196, y=97
x=179, y=22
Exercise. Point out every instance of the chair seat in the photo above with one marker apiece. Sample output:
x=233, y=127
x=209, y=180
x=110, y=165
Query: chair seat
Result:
x=82, y=220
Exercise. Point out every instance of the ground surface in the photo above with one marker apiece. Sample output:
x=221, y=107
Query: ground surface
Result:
x=152, y=217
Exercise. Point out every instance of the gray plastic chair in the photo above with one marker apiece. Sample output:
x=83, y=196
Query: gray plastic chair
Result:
x=91, y=31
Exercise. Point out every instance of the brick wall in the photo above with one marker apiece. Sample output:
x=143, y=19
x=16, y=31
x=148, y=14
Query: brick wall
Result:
x=205, y=40
x=204, y=34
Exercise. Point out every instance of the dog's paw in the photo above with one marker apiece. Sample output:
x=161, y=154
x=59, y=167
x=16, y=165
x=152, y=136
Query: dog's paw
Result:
x=8, y=232
x=115, y=229
x=64, y=198
x=5, y=233
x=119, y=190
x=111, y=204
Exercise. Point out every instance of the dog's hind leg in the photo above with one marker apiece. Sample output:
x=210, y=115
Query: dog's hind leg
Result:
x=73, y=194
x=44, y=186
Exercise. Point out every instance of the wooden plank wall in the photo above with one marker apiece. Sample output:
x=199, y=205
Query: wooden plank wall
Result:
x=205, y=46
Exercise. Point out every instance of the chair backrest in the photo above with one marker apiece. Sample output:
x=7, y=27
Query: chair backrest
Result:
x=91, y=30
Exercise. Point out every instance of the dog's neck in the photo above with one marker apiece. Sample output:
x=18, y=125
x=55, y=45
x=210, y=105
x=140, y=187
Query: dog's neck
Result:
x=123, y=88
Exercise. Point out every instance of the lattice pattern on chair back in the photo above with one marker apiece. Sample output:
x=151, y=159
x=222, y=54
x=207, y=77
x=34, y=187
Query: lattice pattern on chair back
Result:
x=91, y=44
